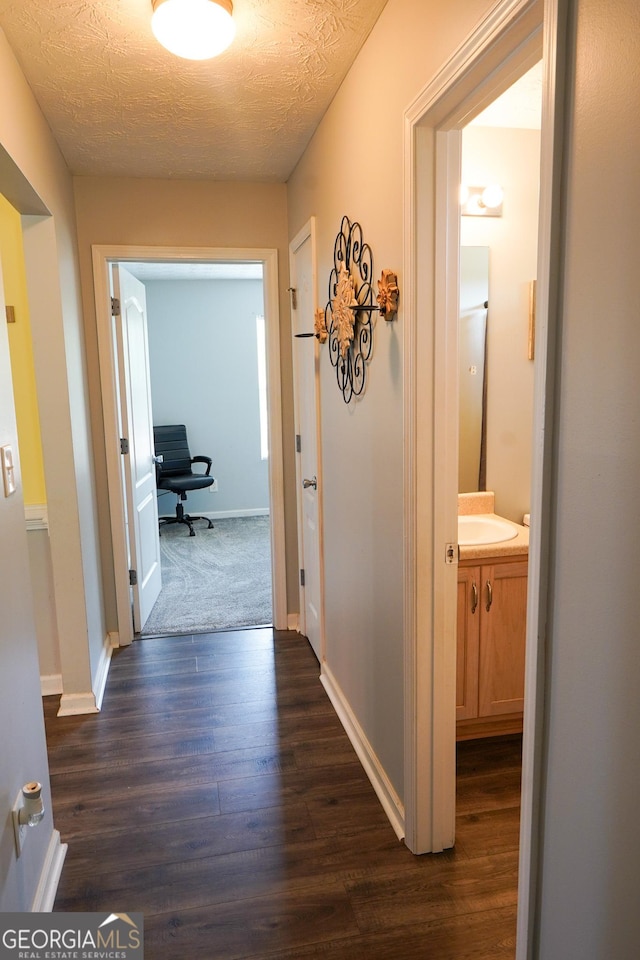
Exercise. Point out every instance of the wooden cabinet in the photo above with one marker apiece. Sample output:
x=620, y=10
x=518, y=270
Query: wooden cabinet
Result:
x=492, y=608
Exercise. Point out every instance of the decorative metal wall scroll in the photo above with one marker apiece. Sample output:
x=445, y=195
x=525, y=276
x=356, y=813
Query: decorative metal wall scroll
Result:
x=347, y=317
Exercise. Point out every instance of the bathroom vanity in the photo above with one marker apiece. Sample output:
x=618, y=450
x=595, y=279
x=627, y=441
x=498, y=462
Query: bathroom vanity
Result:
x=491, y=631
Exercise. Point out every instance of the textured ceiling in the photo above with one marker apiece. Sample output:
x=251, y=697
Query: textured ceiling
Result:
x=121, y=105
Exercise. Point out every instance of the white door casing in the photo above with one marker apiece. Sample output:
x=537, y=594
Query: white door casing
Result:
x=505, y=44
x=308, y=468
x=132, y=351
x=103, y=256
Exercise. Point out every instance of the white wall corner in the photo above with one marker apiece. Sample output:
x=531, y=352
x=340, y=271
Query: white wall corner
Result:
x=50, y=684
x=391, y=803
x=36, y=516
x=50, y=875
x=293, y=622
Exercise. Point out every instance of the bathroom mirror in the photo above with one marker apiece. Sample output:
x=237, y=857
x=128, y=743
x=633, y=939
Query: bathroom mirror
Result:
x=472, y=341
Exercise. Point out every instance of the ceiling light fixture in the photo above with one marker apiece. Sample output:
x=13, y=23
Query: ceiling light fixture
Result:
x=193, y=29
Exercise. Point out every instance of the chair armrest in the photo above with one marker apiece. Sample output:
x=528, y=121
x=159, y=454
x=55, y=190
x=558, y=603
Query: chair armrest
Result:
x=206, y=460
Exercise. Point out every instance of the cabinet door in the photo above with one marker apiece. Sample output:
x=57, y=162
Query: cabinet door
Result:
x=468, y=635
x=502, y=638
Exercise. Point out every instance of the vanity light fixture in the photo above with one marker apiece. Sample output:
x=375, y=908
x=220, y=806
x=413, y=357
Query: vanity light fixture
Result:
x=481, y=201
x=193, y=29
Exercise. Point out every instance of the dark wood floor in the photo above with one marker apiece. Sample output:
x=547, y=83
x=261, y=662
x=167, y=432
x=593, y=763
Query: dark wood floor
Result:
x=217, y=793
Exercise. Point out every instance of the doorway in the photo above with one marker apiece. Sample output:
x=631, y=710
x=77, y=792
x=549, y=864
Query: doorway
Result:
x=103, y=258
x=207, y=362
x=505, y=46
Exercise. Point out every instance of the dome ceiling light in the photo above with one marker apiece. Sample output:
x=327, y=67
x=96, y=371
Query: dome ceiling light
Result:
x=193, y=29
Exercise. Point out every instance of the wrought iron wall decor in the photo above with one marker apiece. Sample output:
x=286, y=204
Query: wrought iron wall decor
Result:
x=348, y=313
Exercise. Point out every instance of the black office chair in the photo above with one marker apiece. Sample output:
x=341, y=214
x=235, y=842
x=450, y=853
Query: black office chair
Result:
x=174, y=472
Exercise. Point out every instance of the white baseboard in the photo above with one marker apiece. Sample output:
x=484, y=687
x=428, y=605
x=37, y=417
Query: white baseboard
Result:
x=50, y=684
x=293, y=621
x=100, y=681
x=36, y=516
x=50, y=875
x=75, y=704
x=230, y=514
x=385, y=792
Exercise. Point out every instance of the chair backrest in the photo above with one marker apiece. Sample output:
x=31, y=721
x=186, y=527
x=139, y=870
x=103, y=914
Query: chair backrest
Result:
x=171, y=442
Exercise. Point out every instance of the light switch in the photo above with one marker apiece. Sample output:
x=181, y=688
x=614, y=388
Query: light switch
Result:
x=8, y=470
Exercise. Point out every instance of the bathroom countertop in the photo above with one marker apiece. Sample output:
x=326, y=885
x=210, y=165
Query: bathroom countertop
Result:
x=518, y=546
x=483, y=503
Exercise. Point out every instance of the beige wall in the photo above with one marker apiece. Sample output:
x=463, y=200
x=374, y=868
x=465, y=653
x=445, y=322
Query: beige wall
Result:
x=512, y=159
x=354, y=166
x=35, y=180
x=184, y=214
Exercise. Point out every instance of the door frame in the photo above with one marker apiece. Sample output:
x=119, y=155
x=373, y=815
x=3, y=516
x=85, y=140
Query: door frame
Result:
x=513, y=33
x=308, y=232
x=102, y=257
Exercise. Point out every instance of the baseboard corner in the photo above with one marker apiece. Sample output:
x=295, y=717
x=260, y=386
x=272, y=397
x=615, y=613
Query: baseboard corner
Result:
x=76, y=704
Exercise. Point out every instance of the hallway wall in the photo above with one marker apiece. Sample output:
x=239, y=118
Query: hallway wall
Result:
x=589, y=873
x=354, y=166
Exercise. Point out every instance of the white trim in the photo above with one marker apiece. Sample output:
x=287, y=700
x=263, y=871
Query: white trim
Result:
x=103, y=256
x=391, y=803
x=77, y=704
x=548, y=283
x=36, y=516
x=504, y=44
x=227, y=514
x=497, y=52
x=100, y=680
x=293, y=622
x=50, y=684
x=308, y=232
x=45, y=894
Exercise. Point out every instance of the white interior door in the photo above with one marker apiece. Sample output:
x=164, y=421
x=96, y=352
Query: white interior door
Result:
x=305, y=353
x=132, y=347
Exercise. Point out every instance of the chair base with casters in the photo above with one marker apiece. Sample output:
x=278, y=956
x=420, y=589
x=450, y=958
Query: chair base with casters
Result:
x=174, y=473
x=182, y=517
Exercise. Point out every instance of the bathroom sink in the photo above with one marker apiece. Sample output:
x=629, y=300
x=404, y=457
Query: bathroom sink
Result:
x=479, y=528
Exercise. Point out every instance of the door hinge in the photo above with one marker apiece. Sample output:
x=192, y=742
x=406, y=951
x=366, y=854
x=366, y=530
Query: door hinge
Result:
x=294, y=297
x=115, y=307
x=298, y=443
x=124, y=445
x=302, y=578
x=133, y=578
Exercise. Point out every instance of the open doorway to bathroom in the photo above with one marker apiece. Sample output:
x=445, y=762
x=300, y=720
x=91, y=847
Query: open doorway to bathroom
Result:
x=498, y=241
x=207, y=359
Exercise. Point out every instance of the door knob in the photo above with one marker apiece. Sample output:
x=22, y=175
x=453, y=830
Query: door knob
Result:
x=158, y=459
x=310, y=483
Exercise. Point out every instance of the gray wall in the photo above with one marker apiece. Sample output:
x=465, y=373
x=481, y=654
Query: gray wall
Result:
x=204, y=373
x=590, y=870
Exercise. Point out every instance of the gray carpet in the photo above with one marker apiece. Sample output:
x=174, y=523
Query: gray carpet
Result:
x=219, y=578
